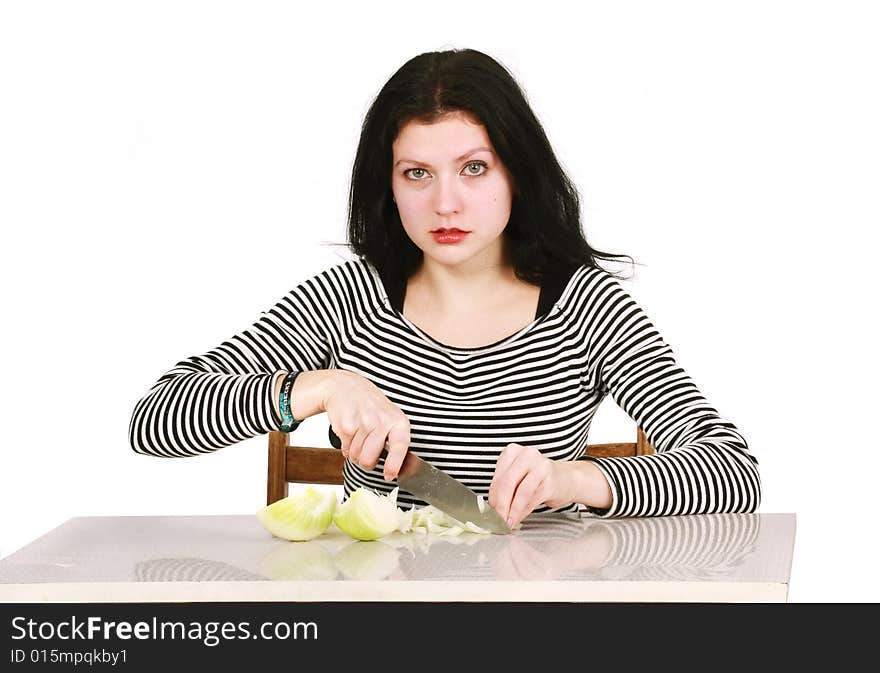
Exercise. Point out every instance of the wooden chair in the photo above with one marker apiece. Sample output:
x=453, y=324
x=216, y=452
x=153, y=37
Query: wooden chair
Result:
x=317, y=465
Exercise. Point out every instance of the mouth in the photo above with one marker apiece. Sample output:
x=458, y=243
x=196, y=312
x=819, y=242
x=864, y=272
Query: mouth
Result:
x=449, y=231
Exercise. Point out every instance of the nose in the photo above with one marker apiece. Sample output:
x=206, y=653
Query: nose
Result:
x=447, y=197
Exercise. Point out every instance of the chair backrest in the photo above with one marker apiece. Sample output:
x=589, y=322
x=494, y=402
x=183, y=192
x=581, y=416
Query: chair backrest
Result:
x=319, y=465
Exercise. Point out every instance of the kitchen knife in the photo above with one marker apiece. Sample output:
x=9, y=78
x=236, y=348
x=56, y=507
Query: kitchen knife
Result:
x=446, y=493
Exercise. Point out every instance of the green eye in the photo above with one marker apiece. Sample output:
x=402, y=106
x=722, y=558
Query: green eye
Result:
x=410, y=173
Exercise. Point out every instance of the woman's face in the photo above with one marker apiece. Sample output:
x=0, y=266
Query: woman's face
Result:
x=446, y=175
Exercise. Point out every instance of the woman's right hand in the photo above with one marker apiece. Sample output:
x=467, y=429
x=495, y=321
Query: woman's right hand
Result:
x=364, y=419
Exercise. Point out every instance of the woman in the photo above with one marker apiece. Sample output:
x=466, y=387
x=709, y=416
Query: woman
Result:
x=475, y=328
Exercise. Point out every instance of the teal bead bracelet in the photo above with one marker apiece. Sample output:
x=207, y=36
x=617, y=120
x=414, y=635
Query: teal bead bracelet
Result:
x=288, y=422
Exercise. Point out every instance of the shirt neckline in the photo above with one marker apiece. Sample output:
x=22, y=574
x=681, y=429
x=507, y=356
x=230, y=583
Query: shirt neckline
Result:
x=552, y=289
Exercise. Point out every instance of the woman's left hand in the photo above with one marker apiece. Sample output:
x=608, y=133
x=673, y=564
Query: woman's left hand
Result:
x=524, y=479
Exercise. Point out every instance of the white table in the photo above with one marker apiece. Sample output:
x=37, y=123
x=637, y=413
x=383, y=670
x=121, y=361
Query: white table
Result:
x=552, y=558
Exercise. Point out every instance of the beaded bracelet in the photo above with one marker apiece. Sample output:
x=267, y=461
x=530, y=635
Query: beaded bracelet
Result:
x=288, y=422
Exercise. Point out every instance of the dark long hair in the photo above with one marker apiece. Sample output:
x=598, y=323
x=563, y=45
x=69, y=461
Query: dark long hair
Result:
x=544, y=231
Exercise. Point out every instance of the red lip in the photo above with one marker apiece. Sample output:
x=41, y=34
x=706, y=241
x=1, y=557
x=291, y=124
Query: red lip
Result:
x=449, y=237
x=450, y=231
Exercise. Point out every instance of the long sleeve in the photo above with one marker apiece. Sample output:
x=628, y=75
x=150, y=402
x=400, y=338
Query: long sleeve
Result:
x=226, y=395
x=702, y=463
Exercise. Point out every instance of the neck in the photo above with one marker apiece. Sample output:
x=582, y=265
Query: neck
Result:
x=463, y=289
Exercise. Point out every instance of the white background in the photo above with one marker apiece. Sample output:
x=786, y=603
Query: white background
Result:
x=170, y=169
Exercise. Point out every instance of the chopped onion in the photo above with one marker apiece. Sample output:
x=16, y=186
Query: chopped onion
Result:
x=367, y=515
x=301, y=516
x=481, y=504
x=430, y=520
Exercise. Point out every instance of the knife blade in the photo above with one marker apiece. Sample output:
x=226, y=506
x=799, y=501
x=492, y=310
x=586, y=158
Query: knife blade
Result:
x=444, y=492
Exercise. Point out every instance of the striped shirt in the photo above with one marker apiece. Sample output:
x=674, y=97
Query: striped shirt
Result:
x=539, y=387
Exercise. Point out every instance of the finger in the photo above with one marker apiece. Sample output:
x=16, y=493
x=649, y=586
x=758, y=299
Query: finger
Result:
x=356, y=445
x=527, y=497
x=373, y=444
x=343, y=442
x=509, y=455
x=502, y=465
x=397, y=443
x=344, y=431
x=508, y=481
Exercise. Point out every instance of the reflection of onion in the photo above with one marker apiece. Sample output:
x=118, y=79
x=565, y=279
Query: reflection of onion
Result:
x=422, y=543
x=299, y=561
x=371, y=560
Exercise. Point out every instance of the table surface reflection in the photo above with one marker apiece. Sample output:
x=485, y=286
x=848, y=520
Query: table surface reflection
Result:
x=551, y=558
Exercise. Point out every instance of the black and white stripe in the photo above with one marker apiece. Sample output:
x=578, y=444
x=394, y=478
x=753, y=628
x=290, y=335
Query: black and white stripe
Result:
x=538, y=387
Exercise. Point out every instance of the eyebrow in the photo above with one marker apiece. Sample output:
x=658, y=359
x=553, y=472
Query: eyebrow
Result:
x=463, y=156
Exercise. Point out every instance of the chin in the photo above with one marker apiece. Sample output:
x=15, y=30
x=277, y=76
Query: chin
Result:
x=453, y=257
